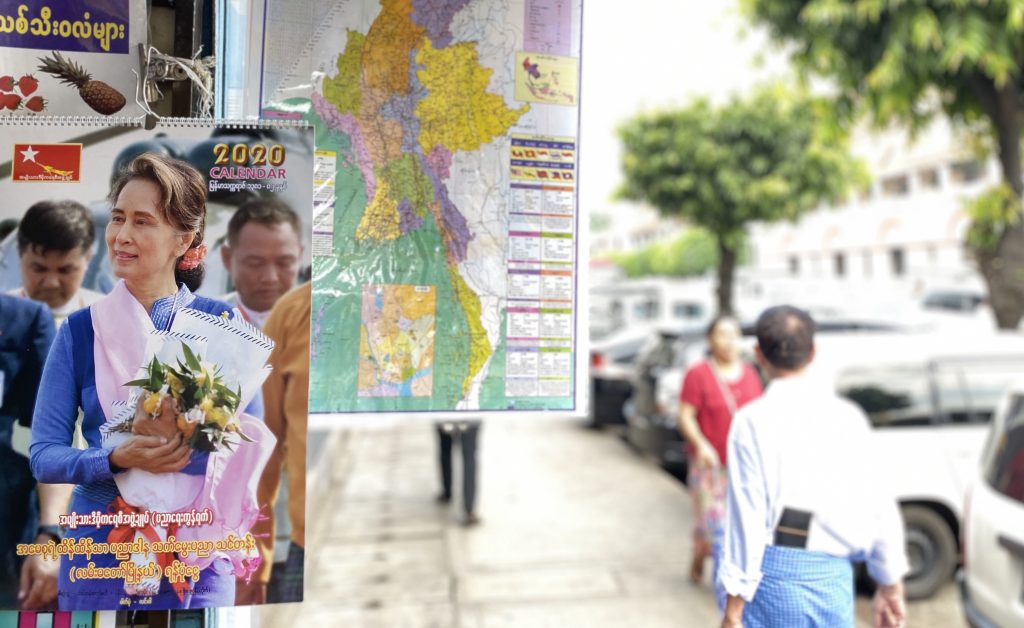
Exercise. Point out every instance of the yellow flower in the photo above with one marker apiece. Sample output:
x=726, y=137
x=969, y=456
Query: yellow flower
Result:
x=175, y=384
x=206, y=372
x=185, y=427
x=206, y=405
x=152, y=403
x=219, y=417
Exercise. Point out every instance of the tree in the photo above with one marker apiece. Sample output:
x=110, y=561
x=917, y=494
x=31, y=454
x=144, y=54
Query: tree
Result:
x=690, y=254
x=905, y=61
x=767, y=157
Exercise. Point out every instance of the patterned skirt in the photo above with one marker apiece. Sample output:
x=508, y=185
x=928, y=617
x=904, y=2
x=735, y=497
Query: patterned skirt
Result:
x=801, y=589
x=708, y=490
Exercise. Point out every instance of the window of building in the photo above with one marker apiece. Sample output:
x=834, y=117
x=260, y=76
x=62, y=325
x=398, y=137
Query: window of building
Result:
x=966, y=171
x=928, y=178
x=794, y=265
x=839, y=264
x=898, y=185
x=867, y=263
x=897, y=259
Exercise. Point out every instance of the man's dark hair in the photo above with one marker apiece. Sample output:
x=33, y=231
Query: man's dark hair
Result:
x=785, y=335
x=267, y=212
x=56, y=226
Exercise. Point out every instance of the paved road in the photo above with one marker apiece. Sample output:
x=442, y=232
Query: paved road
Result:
x=577, y=531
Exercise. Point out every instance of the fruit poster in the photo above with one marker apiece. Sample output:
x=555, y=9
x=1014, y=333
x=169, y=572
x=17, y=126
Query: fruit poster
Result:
x=193, y=206
x=71, y=57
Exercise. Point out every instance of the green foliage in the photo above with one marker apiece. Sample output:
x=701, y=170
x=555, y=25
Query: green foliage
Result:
x=992, y=213
x=906, y=60
x=692, y=253
x=768, y=157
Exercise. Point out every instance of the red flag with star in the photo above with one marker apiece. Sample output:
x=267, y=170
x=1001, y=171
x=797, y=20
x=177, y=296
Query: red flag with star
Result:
x=47, y=162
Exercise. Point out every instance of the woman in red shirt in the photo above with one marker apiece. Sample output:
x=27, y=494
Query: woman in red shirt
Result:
x=713, y=390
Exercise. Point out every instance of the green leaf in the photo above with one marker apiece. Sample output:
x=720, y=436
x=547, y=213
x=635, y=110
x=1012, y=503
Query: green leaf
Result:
x=992, y=213
x=925, y=30
x=190, y=358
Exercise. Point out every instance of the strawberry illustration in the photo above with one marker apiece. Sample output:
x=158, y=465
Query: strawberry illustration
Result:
x=27, y=84
x=36, y=104
x=10, y=101
x=6, y=83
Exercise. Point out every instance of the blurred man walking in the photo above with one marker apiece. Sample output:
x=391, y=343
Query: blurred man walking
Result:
x=801, y=503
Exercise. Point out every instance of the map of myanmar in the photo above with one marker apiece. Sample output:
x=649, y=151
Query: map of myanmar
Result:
x=411, y=304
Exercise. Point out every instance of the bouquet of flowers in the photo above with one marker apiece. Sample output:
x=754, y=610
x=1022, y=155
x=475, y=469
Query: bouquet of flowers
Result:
x=198, y=378
x=206, y=408
x=199, y=375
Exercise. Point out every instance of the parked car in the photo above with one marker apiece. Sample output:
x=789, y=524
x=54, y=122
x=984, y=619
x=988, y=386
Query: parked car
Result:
x=653, y=409
x=930, y=398
x=649, y=428
x=961, y=301
x=992, y=578
x=611, y=362
x=632, y=303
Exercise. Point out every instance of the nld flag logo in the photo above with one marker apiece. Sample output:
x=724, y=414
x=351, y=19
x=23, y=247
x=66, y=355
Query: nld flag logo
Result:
x=47, y=162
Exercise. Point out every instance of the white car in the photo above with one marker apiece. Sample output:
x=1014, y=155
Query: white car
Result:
x=930, y=397
x=992, y=578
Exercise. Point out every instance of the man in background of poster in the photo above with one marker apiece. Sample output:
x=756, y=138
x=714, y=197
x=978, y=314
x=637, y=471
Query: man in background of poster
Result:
x=55, y=241
x=28, y=331
x=286, y=413
x=262, y=255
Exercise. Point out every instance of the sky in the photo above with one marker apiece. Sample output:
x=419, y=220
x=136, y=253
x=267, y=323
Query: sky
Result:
x=651, y=54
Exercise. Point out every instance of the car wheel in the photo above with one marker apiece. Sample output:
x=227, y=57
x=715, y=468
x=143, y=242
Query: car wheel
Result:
x=931, y=550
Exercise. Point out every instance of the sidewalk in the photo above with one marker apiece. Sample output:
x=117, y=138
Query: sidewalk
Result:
x=576, y=531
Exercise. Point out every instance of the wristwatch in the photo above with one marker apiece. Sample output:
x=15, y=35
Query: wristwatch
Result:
x=55, y=531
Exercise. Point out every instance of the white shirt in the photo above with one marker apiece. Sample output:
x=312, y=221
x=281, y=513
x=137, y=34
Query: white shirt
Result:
x=82, y=299
x=256, y=318
x=801, y=446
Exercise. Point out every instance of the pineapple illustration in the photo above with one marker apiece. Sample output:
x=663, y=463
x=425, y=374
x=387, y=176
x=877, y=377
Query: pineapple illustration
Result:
x=101, y=97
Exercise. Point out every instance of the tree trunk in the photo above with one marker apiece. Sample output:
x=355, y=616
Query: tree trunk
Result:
x=1003, y=270
x=726, y=270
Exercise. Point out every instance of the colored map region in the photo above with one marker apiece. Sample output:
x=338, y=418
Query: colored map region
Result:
x=415, y=100
x=548, y=79
x=396, y=342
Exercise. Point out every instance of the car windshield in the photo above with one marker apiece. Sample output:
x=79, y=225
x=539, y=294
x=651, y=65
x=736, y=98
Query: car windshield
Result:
x=970, y=389
x=890, y=396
